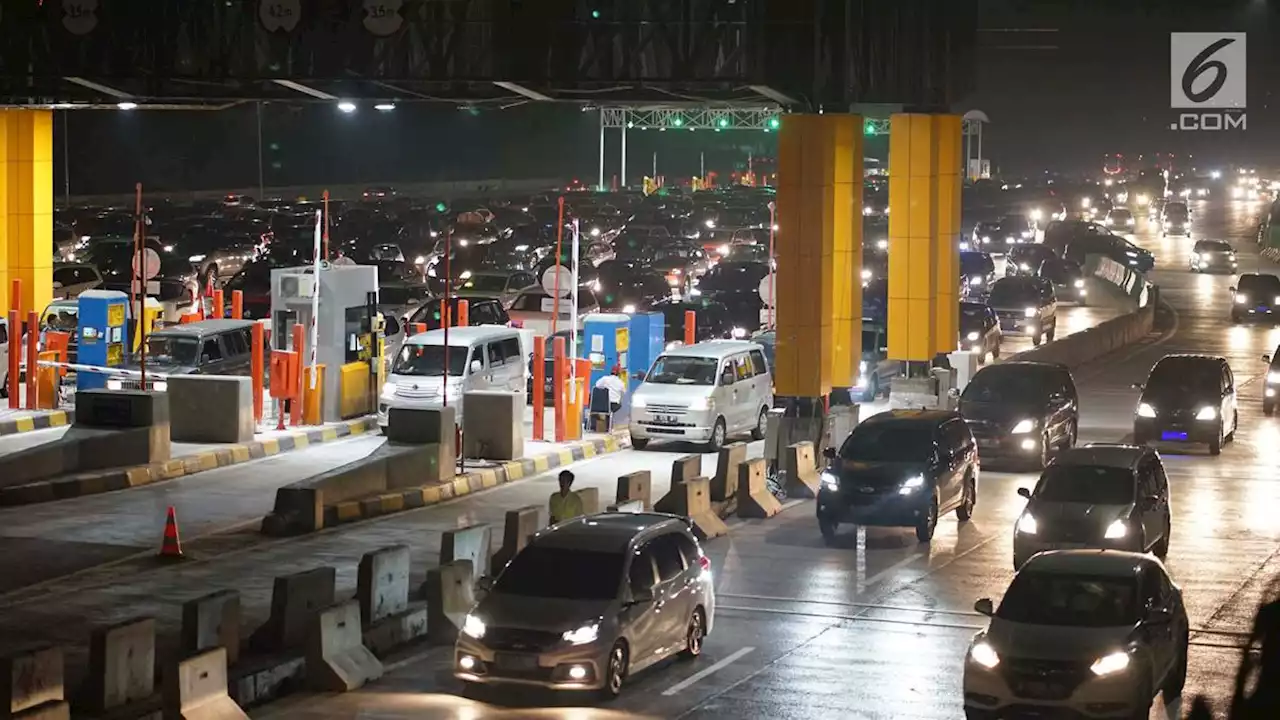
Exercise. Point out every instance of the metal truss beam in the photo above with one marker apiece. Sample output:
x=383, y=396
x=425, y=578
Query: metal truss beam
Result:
x=693, y=117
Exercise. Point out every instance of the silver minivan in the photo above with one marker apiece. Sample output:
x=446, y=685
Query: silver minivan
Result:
x=588, y=603
x=703, y=393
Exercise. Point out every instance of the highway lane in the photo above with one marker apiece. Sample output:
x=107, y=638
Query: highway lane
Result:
x=876, y=627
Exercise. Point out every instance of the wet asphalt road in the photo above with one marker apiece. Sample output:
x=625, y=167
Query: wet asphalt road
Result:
x=877, y=627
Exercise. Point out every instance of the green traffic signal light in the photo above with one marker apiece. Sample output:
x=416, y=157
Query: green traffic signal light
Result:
x=678, y=122
x=871, y=128
x=441, y=207
x=774, y=123
x=595, y=14
x=723, y=122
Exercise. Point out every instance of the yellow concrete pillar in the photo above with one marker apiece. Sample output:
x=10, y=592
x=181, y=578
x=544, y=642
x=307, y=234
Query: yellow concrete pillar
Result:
x=26, y=206
x=924, y=221
x=819, y=252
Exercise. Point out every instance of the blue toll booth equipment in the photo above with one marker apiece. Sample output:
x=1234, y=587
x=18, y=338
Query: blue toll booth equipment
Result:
x=648, y=340
x=101, y=335
x=606, y=343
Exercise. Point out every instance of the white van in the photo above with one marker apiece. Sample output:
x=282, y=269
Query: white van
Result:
x=703, y=393
x=481, y=357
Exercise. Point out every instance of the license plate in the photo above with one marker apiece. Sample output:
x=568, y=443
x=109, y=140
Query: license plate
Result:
x=1041, y=690
x=665, y=420
x=1173, y=435
x=512, y=661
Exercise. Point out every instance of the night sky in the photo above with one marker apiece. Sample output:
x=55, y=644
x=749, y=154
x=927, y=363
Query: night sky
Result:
x=1098, y=84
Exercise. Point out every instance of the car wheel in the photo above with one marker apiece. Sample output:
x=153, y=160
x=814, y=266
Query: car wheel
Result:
x=472, y=690
x=965, y=511
x=1235, y=423
x=1215, y=445
x=1161, y=548
x=924, y=530
x=828, y=529
x=1073, y=435
x=762, y=423
x=1268, y=409
x=1142, y=702
x=615, y=672
x=1177, y=678
x=639, y=443
x=694, y=635
x=873, y=389
x=1036, y=339
x=717, y=436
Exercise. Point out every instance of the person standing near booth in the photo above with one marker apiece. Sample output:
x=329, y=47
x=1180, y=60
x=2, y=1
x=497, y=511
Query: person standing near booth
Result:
x=613, y=383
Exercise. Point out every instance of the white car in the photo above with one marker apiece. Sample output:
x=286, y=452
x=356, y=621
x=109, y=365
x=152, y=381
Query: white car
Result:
x=1093, y=633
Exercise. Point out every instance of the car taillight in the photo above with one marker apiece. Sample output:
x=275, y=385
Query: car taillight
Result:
x=704, y=562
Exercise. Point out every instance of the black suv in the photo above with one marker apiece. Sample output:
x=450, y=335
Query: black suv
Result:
x=1025, y=306
x=901, y=468
x=1256, y=295
x=1026, y=259
x=1187, y=398
x=1022, y=410
x=1271, y=383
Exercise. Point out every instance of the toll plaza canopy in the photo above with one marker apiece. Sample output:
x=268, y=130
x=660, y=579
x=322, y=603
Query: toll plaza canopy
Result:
x=801, y=54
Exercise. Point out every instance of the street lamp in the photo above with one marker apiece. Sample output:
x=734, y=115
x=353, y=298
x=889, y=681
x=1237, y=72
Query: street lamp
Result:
x=126, y=105
x=384, y=107
x=347, y=106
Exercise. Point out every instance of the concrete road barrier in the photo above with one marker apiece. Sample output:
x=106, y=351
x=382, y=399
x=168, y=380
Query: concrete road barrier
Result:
x=122, y=660
x=212, y=621
x=1087, y=345
x=692, y=499
x=802, y=471
x=725, y=483
x=296, y=601
x=196, y=689
x=31, y=684
x=493, y=427
x=337, y=660
x=518, y=526
x=450, y=595
x=211, y=409
x=422, y=426
x=471, y=543
x=631, y=506
x=684, y=468
x=382, y=583
x=636, y=487
x=754, y=498
x=590, y=497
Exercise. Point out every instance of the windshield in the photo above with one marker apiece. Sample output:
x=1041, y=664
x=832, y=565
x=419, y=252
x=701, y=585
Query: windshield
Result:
x=1012, y=293
x=1070, y=600
x=1212, y=246
x=1260, y=284
x=561, y=573
x=428, y=361
x=1085, y=484
x=63, y=318
x=975, y=264
x=1185, y=378
x=1009, y=384
x=486, y=283
x=889, y=442
x=683, y=370
x=872, y=341
x=972, y=315
x=173, y=350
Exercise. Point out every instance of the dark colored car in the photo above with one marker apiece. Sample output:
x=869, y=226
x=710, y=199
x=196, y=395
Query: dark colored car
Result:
x=900, y=468
x=627, y=287
x=1256, y=295
x=1022, y=410
x=711, y=320
x=977, y=273
x=875, y=370
x=1025, y=259
x=1187, y=399
x=1271, y=383
x=1025, y=306
x=979, y=330
x=481, y=310
x=1066, y=277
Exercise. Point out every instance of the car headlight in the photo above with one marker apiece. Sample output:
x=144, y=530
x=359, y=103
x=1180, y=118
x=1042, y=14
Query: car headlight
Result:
x=1116, y=530
x=196, y=258
x=830, y=481
x=638, y=401
x=975, y=280
x=431, y=272
x=1029, y=312
x=1079, y=283
x=911, y=484
x=1027, y=524
x=985, y=655
x=723, y=249
x=583, y=635
x=867, y=274
x=629, y=309
x=710, y=223
x=1273, y=378
x=464, y=275
x=473, y=626
x=1207, y=413
x=1110, y=664
x=986, y=239
x=388, y=389
x=1277, y=300
x=1129, y=221
x=1241, y=298
x=882, y=244
x=1024, y=426
x=973, y=336
x=700, y=404
x=1036, y=214
x=1195, y=257
x=1145, y=410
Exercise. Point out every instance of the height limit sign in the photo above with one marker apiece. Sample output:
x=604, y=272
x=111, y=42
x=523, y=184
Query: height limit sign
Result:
x=1207, y=82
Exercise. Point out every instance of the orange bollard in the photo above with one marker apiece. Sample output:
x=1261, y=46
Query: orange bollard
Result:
x=283, y=383
x=33, y=356
x=464, y=318
x=188, y=318
x=58, y=342
x=237, y=304
x=539, y=388
x=559, y=382
x=299, y=346
x=255, y=369
x=690, y=327
x=419, y=328
x=219, y=310
x=15, y=356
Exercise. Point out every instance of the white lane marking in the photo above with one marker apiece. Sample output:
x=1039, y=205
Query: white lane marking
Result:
x=706, y=671
x=877, y=577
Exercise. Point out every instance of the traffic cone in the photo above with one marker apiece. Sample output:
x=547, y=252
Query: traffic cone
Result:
x=171, y=546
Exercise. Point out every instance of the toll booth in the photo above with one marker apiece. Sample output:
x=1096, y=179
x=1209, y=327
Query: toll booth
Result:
x=648, y=340
x=606, y=341
x=100, y=335
x=346, y=323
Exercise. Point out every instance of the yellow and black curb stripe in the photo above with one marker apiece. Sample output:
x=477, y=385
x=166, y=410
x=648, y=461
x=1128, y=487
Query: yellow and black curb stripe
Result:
x=104, y=481
x=471, y=482
x=41, y=421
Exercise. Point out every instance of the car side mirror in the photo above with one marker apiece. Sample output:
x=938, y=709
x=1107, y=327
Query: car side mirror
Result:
x=1138, y=386
x=953, y=393
x=1266, y=359
x=476, y=366
x=1023, y=492
x=1232, y=288
x=829, y=453
x=391, y=327
x=984, y=607
x=1150, y=501
x=484, y=584
x=639, y=375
